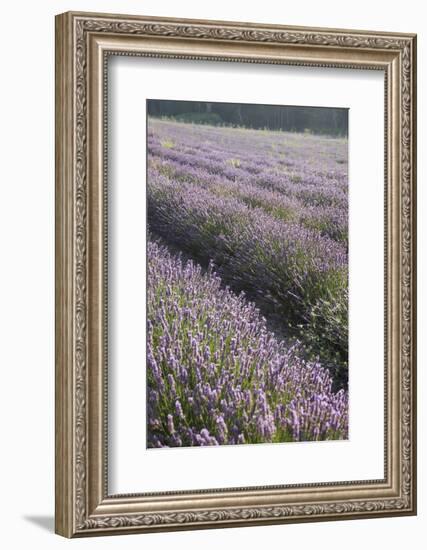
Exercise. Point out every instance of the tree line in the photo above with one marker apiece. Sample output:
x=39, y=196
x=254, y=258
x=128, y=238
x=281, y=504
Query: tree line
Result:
x=317, y=120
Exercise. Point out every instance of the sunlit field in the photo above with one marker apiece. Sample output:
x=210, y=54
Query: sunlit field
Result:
x=247, y=285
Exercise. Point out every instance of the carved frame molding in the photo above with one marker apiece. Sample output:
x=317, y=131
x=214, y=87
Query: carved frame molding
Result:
x=83, y=42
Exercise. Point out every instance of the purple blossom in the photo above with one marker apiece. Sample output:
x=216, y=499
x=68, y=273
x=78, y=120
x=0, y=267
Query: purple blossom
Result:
x=260, y=392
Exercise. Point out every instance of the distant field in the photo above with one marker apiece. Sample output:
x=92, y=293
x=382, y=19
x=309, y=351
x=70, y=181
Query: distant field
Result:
x=268, y=212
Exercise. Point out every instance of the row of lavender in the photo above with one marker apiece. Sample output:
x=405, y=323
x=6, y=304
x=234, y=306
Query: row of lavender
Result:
x=216, y=375
x=294, y=177
x=270, y=211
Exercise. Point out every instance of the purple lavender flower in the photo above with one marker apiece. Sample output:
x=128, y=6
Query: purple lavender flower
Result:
x=256, y=390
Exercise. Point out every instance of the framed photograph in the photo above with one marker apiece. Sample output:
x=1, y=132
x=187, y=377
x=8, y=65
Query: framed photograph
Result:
x=235, y=274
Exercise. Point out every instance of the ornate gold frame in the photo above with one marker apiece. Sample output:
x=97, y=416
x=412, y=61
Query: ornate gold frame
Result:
x=83, y=42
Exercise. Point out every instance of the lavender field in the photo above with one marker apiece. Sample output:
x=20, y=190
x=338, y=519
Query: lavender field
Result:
x=247, y=300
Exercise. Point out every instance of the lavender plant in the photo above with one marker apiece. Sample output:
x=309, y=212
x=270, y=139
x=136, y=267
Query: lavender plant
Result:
x=290, y=269
x=216, y=375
